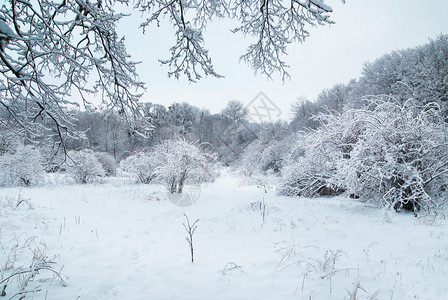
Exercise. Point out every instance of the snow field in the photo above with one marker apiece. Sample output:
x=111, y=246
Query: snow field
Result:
x=126, y=241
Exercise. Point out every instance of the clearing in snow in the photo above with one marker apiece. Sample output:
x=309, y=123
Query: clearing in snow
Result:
x=121, y=240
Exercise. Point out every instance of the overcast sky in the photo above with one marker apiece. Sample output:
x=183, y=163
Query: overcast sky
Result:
x=364, y=30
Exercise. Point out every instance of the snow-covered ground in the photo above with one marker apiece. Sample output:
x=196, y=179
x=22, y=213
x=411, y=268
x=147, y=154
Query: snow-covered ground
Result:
x=121, y=240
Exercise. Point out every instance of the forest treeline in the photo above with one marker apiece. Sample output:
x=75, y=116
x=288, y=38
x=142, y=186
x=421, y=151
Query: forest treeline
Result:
x=381, y=137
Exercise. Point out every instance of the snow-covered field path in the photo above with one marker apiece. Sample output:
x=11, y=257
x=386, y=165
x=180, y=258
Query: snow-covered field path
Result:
x=126, y=241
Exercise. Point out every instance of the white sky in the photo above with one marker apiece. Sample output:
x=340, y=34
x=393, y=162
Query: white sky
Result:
x=364, y=31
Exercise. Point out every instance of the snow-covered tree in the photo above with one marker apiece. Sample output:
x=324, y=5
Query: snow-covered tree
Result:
x=333, y=99
x=181, y=163
x=51, y=52
x=143, y=164
x=235, y=111
x=183, y=116
x=233, y=138
x=83, y=166
x=303, y=111
x=273, y=156
x=24, y=166
x=9, y=141
x=313, y=160
x=307, y=172
x=54, y=160
x=273, y=24
x=420, y=74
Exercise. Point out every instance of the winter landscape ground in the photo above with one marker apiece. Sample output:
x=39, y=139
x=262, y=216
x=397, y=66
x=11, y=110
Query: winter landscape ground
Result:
x=121, y=240
x=341, y=197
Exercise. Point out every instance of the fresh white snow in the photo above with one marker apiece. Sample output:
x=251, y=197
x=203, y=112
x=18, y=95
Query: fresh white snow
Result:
x=121, y=240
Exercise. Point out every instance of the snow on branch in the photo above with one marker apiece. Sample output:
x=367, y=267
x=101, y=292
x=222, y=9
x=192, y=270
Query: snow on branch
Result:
x=273, y=23
x=54, y=50
x=276, y=24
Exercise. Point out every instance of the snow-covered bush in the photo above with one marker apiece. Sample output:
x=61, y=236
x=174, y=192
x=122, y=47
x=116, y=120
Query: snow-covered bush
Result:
x=22, y=167
x=142, y=164
x=266, y=154
x=181, y=162
x=108, y=163
x=249, y=163
x=261, y=158
x=272, y=158
x=400, y=159
x=312, y=164
x=83, y=166
x=388, y=154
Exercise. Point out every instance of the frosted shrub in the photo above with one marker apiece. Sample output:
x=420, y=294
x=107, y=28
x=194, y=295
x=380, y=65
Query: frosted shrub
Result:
x=272, y=158
x=108, y=163
x=142, y=164
x=311, y=167
x=83, y=166
x=259, y=158
x=401, y=158
x=181, y=162
x=23, y=167
x=388, y=154
x=266, y=154
x=53, y=160
x=249, y=163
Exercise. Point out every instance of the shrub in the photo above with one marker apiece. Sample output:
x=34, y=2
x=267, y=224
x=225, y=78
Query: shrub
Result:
x=22, y=167
x=388, y=154
x=108, y=163
x=142, y=164
x=266, y=154
x=83, y=166
x=400, y=159
x=181, y=162
x=312, y=163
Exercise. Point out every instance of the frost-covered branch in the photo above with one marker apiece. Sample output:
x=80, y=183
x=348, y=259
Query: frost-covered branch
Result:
x=51, y=51
x=188, y=56
x=276, y=24
x=273, y=23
